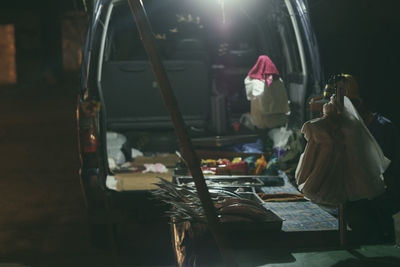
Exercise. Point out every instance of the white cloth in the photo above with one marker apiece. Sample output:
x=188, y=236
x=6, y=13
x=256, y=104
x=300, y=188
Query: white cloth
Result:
x=280, y=136
x=342, y=160
x=115, y=141
x=155, y=167
x=269, y=104
x=111, y=182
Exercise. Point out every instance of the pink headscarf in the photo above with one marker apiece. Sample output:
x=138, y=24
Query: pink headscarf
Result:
x=263, y=70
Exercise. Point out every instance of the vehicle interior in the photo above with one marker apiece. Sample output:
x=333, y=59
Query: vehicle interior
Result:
x=207, y=48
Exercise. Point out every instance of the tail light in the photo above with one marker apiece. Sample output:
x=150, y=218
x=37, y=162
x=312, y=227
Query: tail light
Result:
x=89, y=141
x=88, y=126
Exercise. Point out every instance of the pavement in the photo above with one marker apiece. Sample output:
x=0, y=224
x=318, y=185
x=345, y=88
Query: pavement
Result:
x=42, y=208
x=42, y=213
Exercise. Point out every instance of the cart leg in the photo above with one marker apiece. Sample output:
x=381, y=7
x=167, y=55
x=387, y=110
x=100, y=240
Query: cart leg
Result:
x=342, y=226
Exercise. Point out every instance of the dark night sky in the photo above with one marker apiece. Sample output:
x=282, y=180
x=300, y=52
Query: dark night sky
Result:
x=360, y=37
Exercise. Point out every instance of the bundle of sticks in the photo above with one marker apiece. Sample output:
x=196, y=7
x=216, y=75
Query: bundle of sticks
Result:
x=229, y=206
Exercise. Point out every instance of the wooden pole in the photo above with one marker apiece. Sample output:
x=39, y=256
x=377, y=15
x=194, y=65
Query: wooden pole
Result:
x=169, y=99
x=340, y=94
x=342, y=226
x=342, y=220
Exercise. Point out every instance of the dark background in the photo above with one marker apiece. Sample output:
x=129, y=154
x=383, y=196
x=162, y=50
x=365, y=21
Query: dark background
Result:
x=361, y=37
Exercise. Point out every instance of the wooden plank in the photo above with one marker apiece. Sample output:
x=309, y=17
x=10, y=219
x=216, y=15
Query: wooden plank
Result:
x=188, y=152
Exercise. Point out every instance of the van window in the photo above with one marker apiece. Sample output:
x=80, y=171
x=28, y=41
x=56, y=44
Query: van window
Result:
x=218, y=28
x=216, y=42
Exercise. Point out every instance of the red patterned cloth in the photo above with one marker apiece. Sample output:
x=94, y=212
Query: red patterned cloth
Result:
x=264, y=69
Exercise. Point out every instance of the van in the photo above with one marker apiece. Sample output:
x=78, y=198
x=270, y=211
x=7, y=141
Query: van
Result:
x=207, y=48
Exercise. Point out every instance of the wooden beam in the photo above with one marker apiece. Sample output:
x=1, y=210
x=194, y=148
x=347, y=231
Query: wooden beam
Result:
x=170, y=102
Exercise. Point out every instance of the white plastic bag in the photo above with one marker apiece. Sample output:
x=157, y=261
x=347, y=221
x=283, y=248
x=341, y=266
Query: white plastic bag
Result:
x=115, y=142
x=136, y=153
x=280, y=136
x=117, y=157
x=269, y=104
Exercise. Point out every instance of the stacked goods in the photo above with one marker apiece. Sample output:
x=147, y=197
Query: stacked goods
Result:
x=239, y=166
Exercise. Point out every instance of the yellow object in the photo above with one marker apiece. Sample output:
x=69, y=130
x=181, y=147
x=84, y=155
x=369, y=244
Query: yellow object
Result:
x=329, y=90
x=261, y=164
x=237, y=160
x=209, y=162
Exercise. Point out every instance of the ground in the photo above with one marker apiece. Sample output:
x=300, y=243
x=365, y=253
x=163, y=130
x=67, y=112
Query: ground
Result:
x=43, y=218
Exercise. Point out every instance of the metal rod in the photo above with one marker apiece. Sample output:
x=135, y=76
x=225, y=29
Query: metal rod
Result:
x=342, y=220
x=170, y=102
x=340, y=94
x=342, y=226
